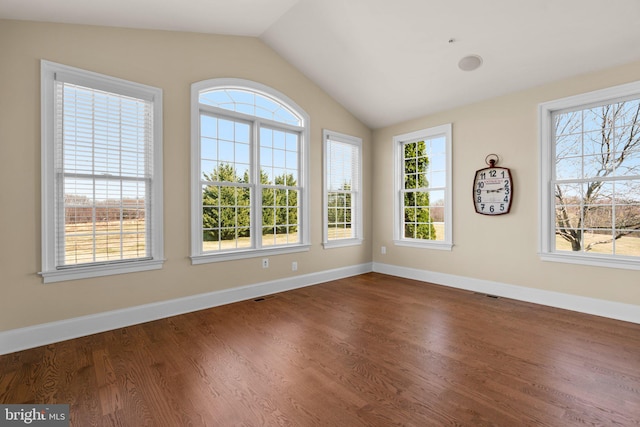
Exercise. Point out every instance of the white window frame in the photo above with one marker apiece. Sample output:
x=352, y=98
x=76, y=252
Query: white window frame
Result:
x=398, y=200
x=546, y=226
x=356, y=214
x=198, y=256
x=51, y=272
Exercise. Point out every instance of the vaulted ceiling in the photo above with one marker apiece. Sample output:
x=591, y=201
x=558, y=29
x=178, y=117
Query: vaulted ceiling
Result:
x=391, y=60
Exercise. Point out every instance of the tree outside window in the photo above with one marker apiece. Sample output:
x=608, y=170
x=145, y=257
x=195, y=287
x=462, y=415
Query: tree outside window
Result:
x=597, y=185
x=590, y=178
x=423, y=190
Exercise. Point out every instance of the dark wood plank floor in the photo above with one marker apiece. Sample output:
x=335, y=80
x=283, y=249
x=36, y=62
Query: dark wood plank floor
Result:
x=372, y=350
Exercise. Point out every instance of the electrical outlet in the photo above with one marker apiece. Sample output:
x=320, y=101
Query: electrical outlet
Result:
x=383, y=250
x=294, y=266
x=265, y=262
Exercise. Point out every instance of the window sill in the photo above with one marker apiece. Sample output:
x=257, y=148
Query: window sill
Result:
x=341, y=243
x=248, y=253
x=76, y=273
x=441, y=246
x=628, y=263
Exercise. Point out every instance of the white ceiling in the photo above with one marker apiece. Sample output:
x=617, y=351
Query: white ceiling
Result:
x=391, y=60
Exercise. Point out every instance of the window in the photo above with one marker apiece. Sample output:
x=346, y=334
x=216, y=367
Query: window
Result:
x=590, y=178
x=101, y=175
x=423, y=188
x=342, y=190
x=249, y=171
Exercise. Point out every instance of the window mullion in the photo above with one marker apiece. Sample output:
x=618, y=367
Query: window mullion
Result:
x=256, y=223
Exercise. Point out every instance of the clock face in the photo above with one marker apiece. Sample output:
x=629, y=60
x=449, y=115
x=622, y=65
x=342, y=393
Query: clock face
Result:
x=492, y=191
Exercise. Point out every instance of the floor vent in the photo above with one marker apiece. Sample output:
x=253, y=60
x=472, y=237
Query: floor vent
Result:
x=487, y=295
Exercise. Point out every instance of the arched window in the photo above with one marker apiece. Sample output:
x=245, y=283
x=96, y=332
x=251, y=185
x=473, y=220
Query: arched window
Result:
x=249, y=171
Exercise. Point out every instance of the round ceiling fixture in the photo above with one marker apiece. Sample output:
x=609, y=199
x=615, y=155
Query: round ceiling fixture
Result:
x=470, y=63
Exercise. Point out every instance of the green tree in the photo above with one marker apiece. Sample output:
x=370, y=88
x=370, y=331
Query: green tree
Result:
x=286, y=204
x=417, y=218
x=226, y=208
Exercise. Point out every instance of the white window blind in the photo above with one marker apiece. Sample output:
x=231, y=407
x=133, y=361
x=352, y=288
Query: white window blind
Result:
x=343, y=200
x=103, y=176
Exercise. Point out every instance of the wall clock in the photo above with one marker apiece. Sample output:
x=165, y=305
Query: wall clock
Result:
x=492, y=188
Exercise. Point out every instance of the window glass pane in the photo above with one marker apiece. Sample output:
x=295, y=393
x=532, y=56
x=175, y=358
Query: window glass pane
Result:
x=209, y=170
x=242, y=153
x=208, y=126
x=209, y=148
x=226, y=151
x=250, y=103
x=437, y=179
x=631, y=164
x=593, y=143
x=278, y=139
x=568, y=145
x=279, y=157
x=569, y=168
x=242, y=132
x=597, y=119
x=226, y=129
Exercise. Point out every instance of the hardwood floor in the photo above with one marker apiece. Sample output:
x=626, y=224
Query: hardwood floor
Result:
x=371, y=350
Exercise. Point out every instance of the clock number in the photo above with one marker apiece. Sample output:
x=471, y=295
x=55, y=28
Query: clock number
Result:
x=483, y=175
x=506, y=199
x=506, y=183
x=478, y=191
x=481, y=184
x=491, y=209
x=492, y=173
x=482, y=206
x=501, y=207
x=503, y=174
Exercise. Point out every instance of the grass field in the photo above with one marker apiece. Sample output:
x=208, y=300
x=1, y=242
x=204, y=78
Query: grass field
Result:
x=626, y=245
x=269, y=240
x=112, y=242
x=245, y=242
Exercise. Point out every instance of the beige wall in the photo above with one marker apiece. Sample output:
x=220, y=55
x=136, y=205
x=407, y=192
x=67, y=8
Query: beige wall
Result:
x=503, y=248
x=171, y=61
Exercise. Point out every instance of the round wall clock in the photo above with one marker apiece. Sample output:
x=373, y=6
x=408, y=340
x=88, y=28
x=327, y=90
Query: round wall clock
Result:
x=492, y=189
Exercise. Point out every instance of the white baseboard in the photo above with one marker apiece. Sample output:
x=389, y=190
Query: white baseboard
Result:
x=35, y=336
x=597, y=307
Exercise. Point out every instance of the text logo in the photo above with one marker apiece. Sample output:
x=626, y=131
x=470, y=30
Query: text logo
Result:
x=34, y=415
